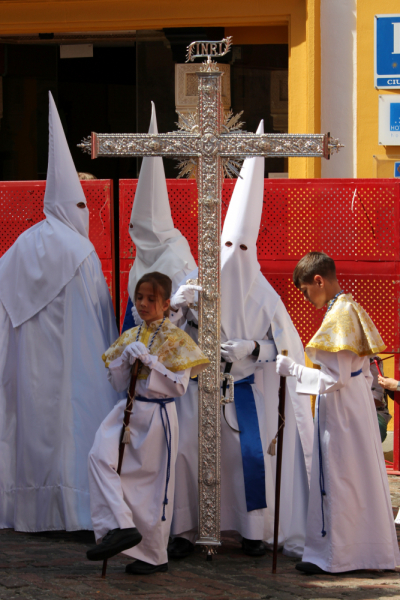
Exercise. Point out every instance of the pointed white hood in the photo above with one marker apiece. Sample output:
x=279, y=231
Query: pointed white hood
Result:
x=46, y=257
x=159, y=246
x=248, y=301
x=63, y=188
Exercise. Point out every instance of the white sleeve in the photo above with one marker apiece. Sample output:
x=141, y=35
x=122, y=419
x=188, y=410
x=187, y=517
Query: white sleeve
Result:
x=162, y=383
x=119, y=373
x=177, y=318
x=335, y=374
x=268, y=351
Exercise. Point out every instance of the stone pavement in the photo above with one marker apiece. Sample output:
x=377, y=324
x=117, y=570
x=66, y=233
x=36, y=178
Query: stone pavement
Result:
x=52, y=565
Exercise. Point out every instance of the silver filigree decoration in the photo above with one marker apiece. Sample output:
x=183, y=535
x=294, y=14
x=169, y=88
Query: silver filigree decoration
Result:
x=232, y=122
x=86, y=145
x=334, y=145
x=208, y=49
x=190, y=123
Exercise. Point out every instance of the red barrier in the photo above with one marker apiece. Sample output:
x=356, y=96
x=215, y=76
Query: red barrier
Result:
x=21, y=206
x=354, y=221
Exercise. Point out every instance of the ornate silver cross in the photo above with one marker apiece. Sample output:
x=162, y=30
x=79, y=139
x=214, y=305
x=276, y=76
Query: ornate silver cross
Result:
x=208, y=145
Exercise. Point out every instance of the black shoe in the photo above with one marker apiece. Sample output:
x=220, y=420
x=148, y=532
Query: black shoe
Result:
x=139, y=567
x=310, y=569
x=114, y=542
x=253, y=547
x=180, y=548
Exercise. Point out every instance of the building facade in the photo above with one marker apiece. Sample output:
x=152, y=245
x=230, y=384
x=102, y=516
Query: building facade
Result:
x=326, y=47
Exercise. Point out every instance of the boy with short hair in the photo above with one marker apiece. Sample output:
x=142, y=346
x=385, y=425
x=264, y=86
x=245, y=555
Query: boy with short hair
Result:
x=350, y=522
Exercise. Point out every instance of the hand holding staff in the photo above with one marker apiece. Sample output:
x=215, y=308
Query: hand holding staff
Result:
x=279, y=437
x=125, y=433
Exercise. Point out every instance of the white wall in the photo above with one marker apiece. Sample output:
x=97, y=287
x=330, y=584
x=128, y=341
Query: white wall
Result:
x=339, y=83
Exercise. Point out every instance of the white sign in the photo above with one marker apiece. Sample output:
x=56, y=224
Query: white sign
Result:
x=387, y=51
x=389, y=120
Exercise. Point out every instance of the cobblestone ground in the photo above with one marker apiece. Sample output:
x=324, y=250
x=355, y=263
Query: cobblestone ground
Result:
x=53, y=565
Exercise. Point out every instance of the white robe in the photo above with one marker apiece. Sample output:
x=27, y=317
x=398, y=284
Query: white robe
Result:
x=360, y=532
x=53, y=396
x=257, y=524
x=136, y=498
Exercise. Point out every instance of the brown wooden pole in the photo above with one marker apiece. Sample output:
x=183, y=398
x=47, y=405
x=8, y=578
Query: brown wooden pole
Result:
x=281, y=425
x=127, y=415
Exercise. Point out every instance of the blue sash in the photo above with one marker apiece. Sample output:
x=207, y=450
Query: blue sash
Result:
x=250, y=444
x=168, y=436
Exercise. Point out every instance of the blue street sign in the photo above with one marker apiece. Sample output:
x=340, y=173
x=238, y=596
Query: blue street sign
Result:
x=397, y=169
x=387, y=51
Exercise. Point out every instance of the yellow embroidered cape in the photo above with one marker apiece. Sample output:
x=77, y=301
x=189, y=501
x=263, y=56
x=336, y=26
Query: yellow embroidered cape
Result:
x=174, y=348
x=346, y=326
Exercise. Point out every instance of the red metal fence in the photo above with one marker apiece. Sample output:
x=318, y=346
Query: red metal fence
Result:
x=354, y=221
x=21, y=206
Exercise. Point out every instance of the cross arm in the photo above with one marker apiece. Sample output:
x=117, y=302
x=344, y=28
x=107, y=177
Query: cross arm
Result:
x=141, y=144
x=243, y=145
x=233, y=145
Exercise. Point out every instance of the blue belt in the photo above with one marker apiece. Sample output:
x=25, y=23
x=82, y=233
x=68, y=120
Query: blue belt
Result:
x=355, y=373
x=321, y=468
x=250, y=444
x=167, y=431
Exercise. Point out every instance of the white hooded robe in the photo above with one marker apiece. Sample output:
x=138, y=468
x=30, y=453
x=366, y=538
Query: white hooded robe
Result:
x=56, y=320
x=250, y=310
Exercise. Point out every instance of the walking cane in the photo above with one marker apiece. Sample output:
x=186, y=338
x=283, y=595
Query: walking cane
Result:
x=125, y=433
x=279, y=435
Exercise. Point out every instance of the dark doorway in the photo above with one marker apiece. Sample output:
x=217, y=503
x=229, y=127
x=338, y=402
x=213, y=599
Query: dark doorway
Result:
x=112, y=91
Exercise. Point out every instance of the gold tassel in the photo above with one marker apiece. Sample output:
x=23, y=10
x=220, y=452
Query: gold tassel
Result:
x=272, y=448
x=126, y=438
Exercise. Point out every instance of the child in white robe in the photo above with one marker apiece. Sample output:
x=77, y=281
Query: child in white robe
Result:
x=132, y=513
x=350, y=520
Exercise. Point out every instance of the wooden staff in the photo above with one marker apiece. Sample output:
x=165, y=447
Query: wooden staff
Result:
x=125, y=434
x=281, y=425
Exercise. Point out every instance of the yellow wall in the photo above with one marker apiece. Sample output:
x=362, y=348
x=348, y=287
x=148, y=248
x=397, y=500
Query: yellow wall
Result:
x=367, y=95
x=270, y=34
x=301, y=18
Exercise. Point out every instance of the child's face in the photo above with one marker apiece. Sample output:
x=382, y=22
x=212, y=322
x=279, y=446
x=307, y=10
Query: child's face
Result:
x=149, y=305
x=315, y=292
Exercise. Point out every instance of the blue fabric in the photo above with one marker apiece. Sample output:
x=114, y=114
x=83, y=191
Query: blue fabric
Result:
x=129, y=321
x=168, y=438
x=250, y=444
x=355, y=373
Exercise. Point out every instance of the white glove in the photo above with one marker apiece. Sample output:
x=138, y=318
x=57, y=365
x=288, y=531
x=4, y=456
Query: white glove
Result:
x=135, y=315
x=184, y=296
x=234, y=350
x=148, y=359
x=287, y=367
x=133, y=351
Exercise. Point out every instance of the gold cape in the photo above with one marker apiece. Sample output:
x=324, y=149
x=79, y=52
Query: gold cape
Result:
x=174, y=348
x=346, y=326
